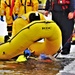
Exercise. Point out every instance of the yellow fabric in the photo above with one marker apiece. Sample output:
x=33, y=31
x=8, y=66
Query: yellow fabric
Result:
x=28, y=36
x=19, y=8
x=0, y=11
x=43, y=1
x=9, y=18
x=1, y=39
x=0, y=7
x=21, y=58
x=19, y=23
x=73, y=38
x=5, y=10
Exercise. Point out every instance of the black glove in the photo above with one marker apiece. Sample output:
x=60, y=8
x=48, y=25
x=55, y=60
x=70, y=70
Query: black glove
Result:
x=1, y=18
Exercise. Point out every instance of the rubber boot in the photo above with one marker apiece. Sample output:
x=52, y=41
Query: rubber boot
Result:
x=6, y=38
x=66, y=49
x=9, y=34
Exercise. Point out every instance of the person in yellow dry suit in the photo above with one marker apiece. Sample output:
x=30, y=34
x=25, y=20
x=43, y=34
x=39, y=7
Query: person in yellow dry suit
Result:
x=21, y=22
x=25, y=19
x=24, y=6
x=19, y=7
x=5, y=10
x=1, y=17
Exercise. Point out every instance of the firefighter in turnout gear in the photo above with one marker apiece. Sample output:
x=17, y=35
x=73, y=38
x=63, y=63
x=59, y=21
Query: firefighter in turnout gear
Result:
x=24, y=6
x=62, y=14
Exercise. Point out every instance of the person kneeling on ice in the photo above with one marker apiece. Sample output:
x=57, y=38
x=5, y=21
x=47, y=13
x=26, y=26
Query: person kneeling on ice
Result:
x=25, y=19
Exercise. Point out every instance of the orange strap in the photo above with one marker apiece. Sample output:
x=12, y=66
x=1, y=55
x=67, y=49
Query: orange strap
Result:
x=11, y=8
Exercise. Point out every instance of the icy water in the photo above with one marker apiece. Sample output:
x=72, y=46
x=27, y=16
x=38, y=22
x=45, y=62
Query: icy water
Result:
x=31, y=67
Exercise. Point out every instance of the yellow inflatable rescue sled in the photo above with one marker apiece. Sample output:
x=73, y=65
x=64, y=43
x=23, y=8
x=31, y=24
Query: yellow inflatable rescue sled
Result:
x=27, y=38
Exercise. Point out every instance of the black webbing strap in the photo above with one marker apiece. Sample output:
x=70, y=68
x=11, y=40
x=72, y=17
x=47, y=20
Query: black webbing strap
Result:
x=30, y=2
x=21, y=2
x=7, y=4
x=25, y=6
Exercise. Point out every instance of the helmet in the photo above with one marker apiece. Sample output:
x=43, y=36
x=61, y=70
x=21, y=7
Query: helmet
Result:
x=27, y=53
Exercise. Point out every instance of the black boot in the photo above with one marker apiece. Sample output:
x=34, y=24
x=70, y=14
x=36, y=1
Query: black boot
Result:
x=6, y=38
x=9, y=34
x=73, y=42
x=66, y=49
x=2, y=18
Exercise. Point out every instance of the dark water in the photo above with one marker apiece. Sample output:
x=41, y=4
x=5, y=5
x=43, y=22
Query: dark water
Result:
x=31, y=67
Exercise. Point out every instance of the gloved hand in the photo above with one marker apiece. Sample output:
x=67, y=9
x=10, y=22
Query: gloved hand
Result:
x=43, y=56
x=16, y=16
x=1, y=18
x=27, y=53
